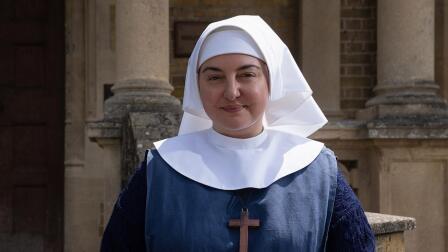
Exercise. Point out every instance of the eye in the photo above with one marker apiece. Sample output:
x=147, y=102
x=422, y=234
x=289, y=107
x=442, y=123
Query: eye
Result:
x=247, y=75
x=214, y=77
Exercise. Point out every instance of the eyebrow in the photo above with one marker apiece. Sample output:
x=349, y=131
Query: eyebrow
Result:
x=211, y=68
x=247, y=66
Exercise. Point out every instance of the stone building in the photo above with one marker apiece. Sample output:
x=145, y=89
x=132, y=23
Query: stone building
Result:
x=86, y=86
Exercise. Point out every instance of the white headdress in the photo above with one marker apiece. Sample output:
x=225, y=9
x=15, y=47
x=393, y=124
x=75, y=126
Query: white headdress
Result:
x=291, y=108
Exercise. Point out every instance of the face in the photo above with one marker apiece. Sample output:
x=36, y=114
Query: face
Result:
x=234, y=91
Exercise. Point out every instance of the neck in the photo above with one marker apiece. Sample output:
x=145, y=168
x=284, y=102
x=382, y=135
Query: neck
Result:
x=243, y=133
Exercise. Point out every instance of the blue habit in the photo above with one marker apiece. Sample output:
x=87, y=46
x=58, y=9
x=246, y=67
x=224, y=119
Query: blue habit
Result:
x=312, y=209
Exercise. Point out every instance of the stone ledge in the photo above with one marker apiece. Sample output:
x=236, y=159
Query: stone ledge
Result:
x=430, y=127
x=342, y=129
x=433, y=127
x=104, y=132
x=385, y=224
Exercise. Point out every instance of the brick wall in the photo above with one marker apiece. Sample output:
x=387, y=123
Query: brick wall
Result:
x=281, y=15
x=358, y=53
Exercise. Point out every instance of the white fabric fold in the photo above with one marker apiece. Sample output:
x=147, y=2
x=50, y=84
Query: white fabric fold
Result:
x=236, y=41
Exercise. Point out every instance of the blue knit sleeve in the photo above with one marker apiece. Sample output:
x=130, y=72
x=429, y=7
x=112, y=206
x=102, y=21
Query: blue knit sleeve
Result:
x=349, y=229
x=126, y=228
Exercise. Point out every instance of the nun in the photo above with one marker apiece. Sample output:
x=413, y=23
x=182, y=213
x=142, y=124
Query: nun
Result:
x=241, y=175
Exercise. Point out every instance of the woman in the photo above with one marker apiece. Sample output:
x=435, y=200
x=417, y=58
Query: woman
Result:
x=241, y=173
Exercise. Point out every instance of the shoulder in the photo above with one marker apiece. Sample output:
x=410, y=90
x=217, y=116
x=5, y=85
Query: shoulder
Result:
x=326, y=161
x=327, y=153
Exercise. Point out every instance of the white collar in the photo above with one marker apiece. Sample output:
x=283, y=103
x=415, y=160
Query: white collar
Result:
x=229, y=163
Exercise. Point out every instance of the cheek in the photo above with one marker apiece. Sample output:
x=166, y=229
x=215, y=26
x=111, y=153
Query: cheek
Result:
x=261, y=94
x=208, y=97
x=261, y=98
x=202, y=91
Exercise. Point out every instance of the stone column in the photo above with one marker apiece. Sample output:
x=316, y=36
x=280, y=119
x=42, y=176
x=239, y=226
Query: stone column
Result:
x=406, y=94
x=142, y=59
x=405, y=51
x=142, y=109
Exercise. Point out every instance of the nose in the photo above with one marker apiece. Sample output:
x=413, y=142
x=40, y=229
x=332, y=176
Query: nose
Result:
x=232, y=90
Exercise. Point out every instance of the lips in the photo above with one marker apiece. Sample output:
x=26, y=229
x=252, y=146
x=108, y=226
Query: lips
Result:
x=233, y=108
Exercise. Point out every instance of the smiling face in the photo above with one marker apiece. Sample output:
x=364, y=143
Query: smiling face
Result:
x=234, y=91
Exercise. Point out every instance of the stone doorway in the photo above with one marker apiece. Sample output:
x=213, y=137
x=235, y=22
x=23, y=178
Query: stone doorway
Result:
x=31, y=125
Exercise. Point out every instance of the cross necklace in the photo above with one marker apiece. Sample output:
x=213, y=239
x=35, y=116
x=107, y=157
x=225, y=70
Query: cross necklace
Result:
x=244, y=223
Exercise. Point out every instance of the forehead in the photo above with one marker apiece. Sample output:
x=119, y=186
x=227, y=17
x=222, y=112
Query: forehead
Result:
x=233, y=60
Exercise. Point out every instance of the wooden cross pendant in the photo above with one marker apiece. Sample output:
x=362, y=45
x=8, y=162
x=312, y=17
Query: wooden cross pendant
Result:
x=244, y=223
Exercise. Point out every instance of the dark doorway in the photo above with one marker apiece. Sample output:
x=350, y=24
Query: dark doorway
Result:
x=31, y=125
